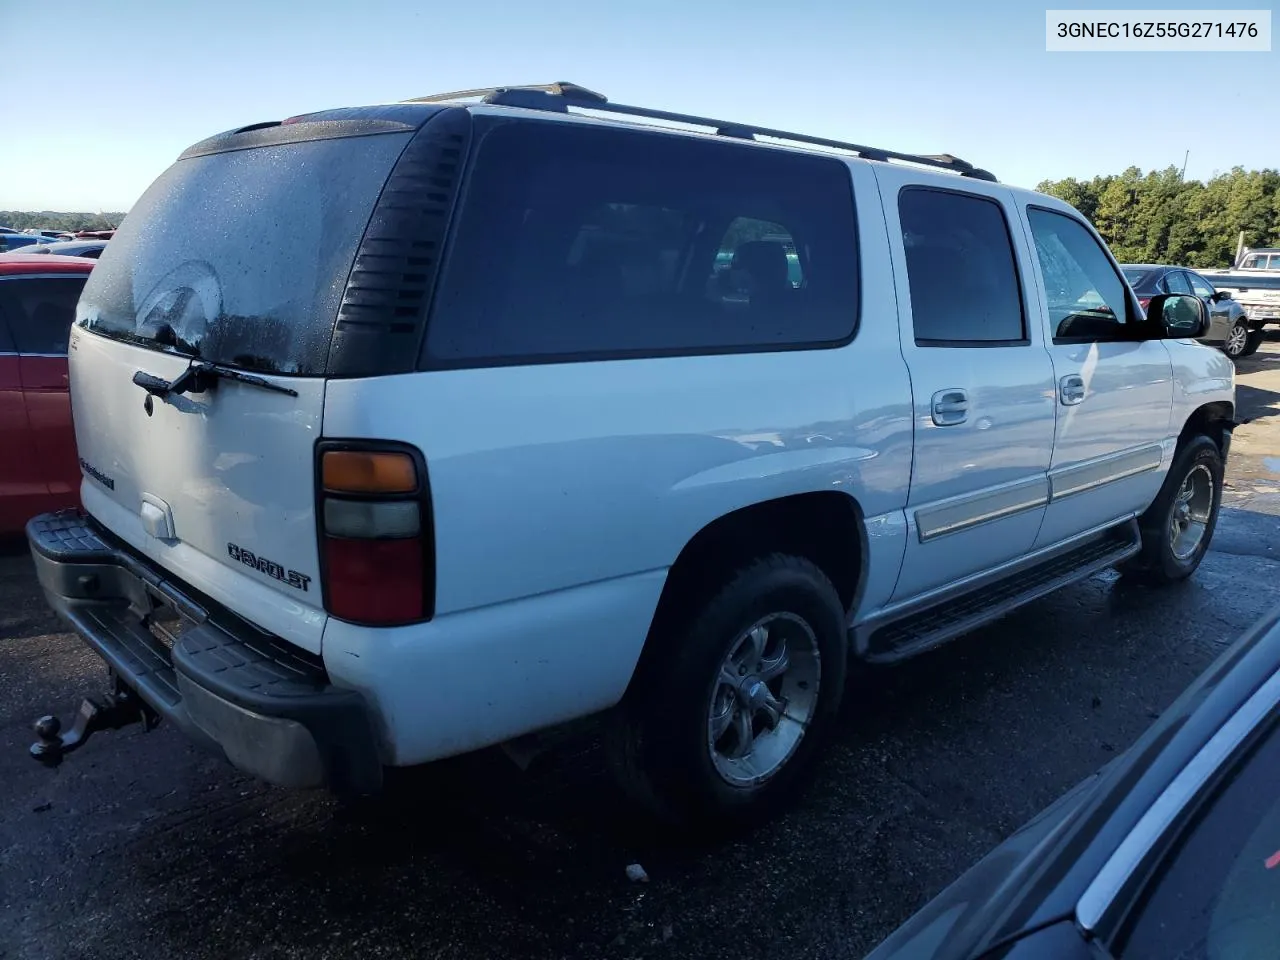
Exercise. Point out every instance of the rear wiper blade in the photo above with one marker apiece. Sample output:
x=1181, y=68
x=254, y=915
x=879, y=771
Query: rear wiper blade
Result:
x=200, y=376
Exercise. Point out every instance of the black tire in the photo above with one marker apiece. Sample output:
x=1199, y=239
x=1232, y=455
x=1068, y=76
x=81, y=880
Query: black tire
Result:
x=1237, y=344
x=1159, y=562
x=1253, y=342
x=661, y=746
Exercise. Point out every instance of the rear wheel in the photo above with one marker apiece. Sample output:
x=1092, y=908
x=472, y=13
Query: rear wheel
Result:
x=1237, y=344
x=729, y=709
x=1177, y=528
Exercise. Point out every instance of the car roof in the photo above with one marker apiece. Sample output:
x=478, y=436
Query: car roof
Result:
x=44, y=263
x=553, y=102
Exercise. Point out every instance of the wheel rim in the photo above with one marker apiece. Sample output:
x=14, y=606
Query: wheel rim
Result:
x=1189, y=518
x=763, y=699
x=1236, y=340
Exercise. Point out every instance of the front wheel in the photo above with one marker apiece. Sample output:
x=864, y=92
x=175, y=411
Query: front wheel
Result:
x=1177, y=528
x=1237, y=344
x=729, y=709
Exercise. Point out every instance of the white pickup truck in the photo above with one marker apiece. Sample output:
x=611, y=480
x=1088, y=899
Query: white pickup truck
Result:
x=413, y=429
x=1254, y=283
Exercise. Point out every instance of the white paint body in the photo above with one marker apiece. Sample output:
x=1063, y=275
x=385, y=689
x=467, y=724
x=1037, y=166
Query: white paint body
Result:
x=563, y=493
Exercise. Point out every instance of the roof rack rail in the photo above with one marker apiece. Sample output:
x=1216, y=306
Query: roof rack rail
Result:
x=559, y=97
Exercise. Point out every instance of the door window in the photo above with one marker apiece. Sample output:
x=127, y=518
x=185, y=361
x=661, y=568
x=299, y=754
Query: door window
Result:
x=1086, y=298
x=39, y=312
x=1176, y=281
x=1201, y=286
x=961, y=269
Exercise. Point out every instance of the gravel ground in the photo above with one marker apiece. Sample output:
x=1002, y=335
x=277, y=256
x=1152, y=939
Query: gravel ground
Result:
x=139, y=846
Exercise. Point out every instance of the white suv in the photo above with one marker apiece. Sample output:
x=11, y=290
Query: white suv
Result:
x=413, y=429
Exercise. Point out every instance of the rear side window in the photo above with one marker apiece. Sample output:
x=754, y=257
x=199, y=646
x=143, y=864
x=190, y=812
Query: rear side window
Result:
x=961, y=269
x=38, y=312
x=241, y=257
x=1176, y=281
x=579, y=242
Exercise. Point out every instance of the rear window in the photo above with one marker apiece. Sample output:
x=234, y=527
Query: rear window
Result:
x=1136, y=277
x=241, y=257
x=579, y=242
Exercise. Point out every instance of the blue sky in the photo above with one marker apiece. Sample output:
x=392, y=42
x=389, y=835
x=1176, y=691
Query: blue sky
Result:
x=118, y=88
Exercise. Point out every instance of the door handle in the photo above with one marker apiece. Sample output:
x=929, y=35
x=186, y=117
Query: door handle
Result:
x=1071, y=389
x=949, y=407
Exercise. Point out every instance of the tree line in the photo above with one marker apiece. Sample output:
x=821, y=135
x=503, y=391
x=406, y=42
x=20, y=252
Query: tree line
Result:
x=63, y=222
x=1158, y=217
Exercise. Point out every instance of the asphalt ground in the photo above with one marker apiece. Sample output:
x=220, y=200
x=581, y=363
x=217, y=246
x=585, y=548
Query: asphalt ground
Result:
x=141, y=846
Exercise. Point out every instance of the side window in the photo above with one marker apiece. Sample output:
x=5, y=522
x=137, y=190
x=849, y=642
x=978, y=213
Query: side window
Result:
x=577, y=243
x=1254, y=262
x=961, y=269
x=39, y=312
x=1275, y=263
x=1200, y=286
x=1176, y=280
x=1217, y=895
x=1087, y=299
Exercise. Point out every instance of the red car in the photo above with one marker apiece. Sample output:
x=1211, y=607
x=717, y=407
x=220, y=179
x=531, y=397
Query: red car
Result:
x=39, y=469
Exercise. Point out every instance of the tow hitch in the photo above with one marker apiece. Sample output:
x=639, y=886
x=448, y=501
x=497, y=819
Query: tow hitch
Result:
x=117, y=709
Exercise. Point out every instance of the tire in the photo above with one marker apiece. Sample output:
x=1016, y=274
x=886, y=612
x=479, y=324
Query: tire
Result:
x=1253, y=342
x=1237, y=343
x=664, y=749
x=1197, y=466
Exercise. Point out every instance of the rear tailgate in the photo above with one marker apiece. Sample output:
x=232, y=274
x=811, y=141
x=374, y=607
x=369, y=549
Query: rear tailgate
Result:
x=216, y=487
x=239, y=258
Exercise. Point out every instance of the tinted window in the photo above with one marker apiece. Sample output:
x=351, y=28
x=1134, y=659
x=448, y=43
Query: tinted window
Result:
x=961, y=268
x=38, y=312
x=578, y=241
x=1217, y=896
x=1136, y=277
x=1176, y=281
x=244, y=254
x=1200, y=286
x=1086, y=298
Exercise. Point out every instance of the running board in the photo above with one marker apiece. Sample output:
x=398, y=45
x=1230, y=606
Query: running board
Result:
x=948, y=619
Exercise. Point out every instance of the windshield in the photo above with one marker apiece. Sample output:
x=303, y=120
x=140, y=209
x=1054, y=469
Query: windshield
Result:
x=241, y=257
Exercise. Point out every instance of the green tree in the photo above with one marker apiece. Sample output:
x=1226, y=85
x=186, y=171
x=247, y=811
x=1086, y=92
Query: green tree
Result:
x=1159, y=217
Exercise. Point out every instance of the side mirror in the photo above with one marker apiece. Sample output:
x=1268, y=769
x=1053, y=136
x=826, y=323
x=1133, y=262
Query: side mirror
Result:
x=1220, y=295
x=1179, y=316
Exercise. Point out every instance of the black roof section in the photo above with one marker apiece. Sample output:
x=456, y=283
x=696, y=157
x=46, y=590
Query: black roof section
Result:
x=559, y=97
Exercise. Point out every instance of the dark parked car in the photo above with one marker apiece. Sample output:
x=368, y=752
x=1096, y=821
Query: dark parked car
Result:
x=1170, y=852
x=91, y=249
x=1229, y=327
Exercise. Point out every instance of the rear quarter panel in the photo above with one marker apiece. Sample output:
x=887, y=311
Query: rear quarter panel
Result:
x=551, y=476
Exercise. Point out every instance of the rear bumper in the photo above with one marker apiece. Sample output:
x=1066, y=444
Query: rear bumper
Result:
x=265, y=705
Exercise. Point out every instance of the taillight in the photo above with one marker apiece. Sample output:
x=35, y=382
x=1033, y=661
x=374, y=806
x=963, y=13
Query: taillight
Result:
x=1142, y=302
x=375, y=533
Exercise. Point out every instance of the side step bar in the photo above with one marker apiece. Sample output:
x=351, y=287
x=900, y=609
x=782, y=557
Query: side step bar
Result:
x=928, y=628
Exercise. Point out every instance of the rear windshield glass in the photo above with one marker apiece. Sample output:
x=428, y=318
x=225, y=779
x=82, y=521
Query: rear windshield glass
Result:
x=241, y=257
x=1136, y=277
